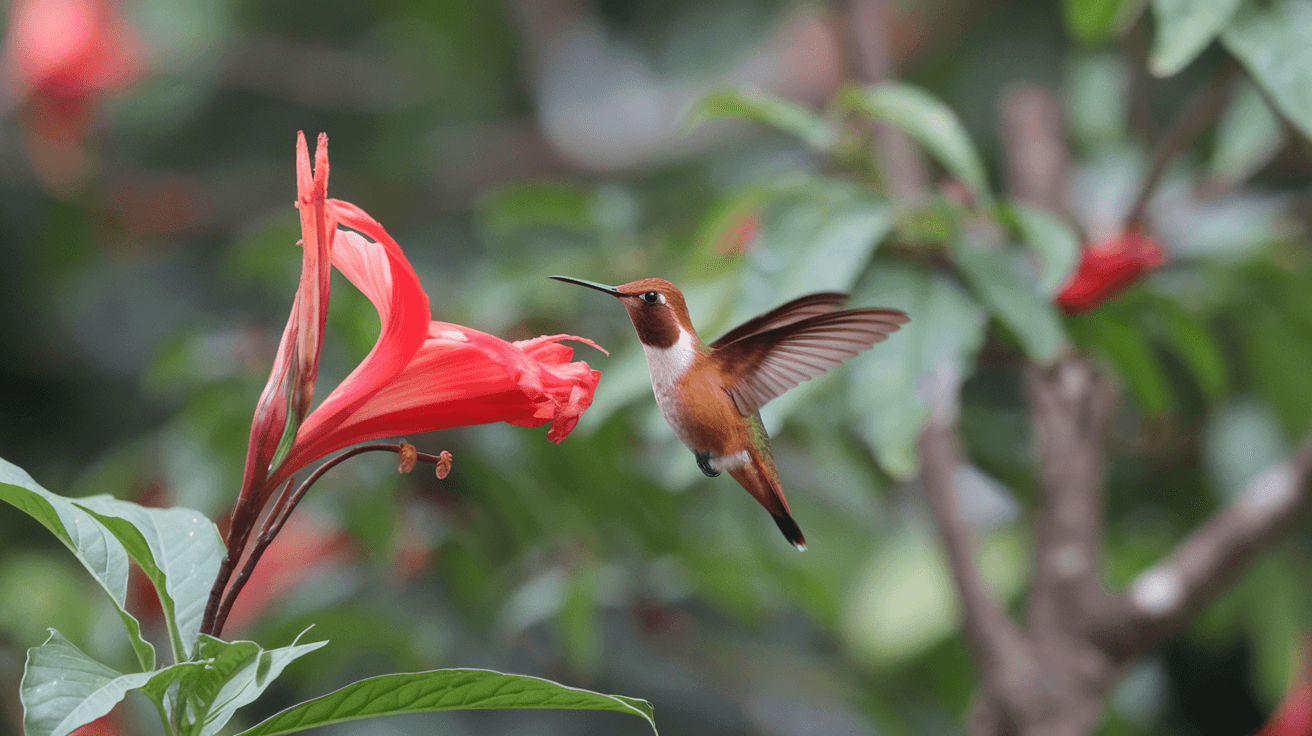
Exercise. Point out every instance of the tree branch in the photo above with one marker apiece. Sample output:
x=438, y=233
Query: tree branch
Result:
x=1008, y=669
x=870, y=62
x=1162, y=600
x=1202, y=109
x=1036, y=148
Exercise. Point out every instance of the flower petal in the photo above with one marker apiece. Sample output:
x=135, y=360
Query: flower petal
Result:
x=380, y=270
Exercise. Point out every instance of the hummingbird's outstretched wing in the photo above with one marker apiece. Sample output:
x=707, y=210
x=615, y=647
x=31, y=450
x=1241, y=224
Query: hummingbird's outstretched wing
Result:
x=795, y=311
x=766, y=364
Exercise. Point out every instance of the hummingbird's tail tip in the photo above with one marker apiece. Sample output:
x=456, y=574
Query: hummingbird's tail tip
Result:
x=792, y=532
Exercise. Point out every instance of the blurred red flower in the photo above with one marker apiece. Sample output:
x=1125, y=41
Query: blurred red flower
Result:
x=1108, y=268
x=61, y=57
x=106, y=725
x=421, y=375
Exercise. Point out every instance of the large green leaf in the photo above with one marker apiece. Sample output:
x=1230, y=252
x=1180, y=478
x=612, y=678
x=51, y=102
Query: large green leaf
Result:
x=439, y=690
x=236, y=673
x=1190, y=338
x=1184, y=29
x=98, y=551
x=179, y=550
x=1017, y=304
x=1054, y=243
x=930, y=122
x=63, y=688
x=889, y=381
x=785, y=115
x=1274, y=42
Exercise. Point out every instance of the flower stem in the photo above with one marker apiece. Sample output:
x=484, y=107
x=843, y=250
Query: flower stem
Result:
x=273, y=524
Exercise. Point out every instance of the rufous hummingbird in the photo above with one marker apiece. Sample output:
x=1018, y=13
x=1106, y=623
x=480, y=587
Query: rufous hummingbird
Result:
x=711, y=394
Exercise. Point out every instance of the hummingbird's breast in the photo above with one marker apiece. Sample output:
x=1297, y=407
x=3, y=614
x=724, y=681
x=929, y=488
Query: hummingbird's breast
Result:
x=692, y=398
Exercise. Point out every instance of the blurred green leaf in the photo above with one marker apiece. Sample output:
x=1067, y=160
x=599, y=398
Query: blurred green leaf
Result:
x=179, y=550
x=98, y=551
x=938, y=344
x=1018, y=305
x=1242, y=439
x=929, y=121
x=1190, y=339
x=442, y=690
x=1277, y=356
x=904, y=601
x=1095, y=21
x=235, y=674
x=1097, y=99
x=1055, y=244
x=63, y=688
x=1124, y=345
x=1271, y=39
x=538, y=204
x=578, y=621
x=785, y=115
x=1184, y=29
x=1248, y=136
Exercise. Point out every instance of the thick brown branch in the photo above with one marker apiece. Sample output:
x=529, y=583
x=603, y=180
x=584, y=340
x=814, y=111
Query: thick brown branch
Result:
x=1036, y=147
x=1070, y=404
x=1164, y=599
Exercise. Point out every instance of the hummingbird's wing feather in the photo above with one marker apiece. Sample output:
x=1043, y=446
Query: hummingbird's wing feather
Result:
x=767, y=364
x=794, y=311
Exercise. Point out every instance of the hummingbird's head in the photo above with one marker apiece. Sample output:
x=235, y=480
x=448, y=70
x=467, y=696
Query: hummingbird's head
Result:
x=655, y=305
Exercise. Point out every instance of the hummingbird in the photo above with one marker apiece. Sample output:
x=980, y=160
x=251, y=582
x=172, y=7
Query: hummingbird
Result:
x=711, y=395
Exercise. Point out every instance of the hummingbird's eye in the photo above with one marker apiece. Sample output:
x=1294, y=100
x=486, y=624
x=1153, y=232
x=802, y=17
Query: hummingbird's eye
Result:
x=653, y=297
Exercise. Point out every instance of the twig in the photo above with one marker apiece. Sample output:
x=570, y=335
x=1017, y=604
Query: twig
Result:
x=1002, y=656
x=1205, y=105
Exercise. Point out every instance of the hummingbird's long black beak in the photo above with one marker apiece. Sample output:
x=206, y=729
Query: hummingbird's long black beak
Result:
x=590, y=284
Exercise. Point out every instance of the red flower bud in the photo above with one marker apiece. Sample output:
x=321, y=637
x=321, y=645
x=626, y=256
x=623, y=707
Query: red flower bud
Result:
x=1108, y=268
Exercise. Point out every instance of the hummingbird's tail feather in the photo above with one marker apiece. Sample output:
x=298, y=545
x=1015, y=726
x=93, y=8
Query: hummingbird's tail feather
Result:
x=761, y=480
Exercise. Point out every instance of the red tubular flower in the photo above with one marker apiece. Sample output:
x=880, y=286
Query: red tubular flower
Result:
x=420, y=376
x=1108, y=268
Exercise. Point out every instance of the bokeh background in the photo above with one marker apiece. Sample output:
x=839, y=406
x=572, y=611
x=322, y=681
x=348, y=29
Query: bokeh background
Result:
x=148, y=261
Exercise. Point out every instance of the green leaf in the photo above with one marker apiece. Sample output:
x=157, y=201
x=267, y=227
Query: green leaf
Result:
x=98, y=551
x=1248, y=136
x=1190, y=339
x=940, y=342
x=441, y=690
x=1124, y=345
x=1271, y=39
x=63, y=688
x=1094, y=21
x=1184, y=29
x=236, y=673
x=1017, y=304
x=930, y=122
x=178, y=549
x=1053, y=241
x=784, y=115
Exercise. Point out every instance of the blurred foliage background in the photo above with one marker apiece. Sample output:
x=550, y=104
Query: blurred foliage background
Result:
x=147, y=263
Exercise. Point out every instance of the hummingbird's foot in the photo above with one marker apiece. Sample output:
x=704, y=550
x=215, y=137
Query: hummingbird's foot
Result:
x=704, y=462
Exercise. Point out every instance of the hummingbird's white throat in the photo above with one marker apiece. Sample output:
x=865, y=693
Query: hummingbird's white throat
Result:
x=667, y=366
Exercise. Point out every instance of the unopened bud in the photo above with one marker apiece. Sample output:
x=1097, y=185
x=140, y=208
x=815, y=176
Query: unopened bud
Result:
x=443, y=465
x=408, y=455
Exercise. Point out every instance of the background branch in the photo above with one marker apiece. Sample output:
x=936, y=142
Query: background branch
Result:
x=1163, y=600
x=870, y=62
